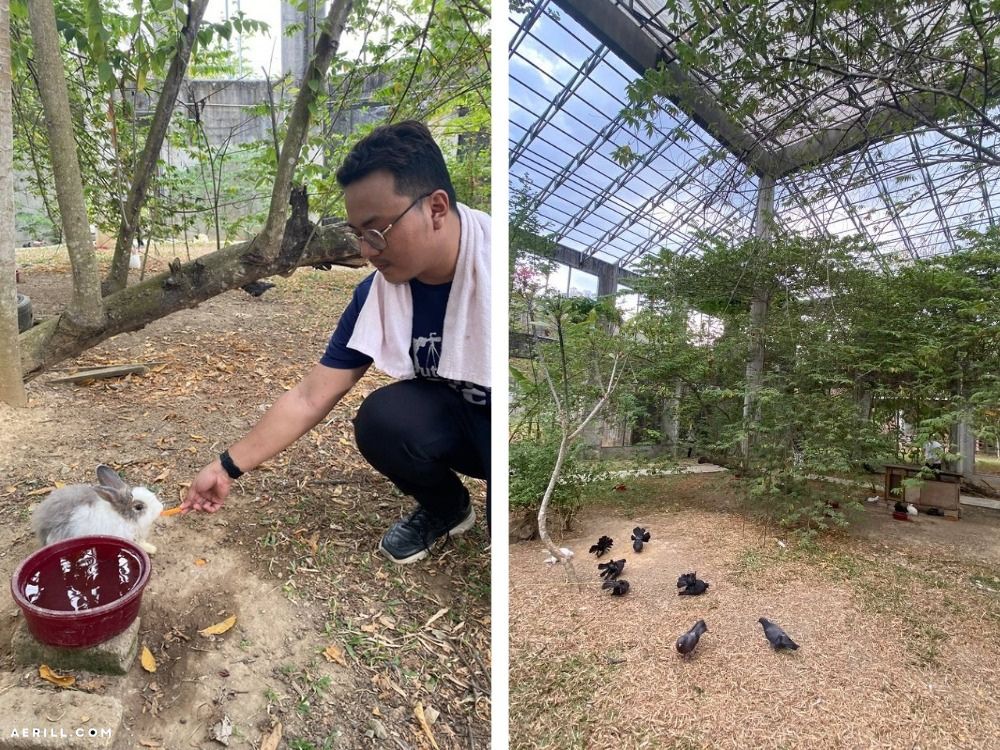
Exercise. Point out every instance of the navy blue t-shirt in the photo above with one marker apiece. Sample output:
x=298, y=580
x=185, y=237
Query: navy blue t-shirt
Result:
x=429, y=303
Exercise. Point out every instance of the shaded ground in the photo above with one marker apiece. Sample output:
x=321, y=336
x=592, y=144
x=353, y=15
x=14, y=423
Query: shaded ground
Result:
x=900, y=641
x=292, y=555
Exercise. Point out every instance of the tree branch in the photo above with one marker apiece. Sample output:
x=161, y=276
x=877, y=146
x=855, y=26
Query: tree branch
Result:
x=118, y=275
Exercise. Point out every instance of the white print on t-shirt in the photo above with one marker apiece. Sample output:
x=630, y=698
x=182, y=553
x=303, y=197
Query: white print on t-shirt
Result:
x=471, y=392
x=431, y=357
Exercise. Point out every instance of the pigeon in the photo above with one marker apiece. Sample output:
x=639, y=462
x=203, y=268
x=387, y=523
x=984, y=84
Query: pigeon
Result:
x=611, y=570
x=257, y=288
x=778, y=638
x=602, y=546
x=686, y=580
x=686, y=643
x=639, y=535
x=618, y=588
x=567, y=554
x=695, y=588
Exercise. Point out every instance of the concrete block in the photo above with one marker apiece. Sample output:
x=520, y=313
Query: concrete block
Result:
x=40, y=719
x=114, y=656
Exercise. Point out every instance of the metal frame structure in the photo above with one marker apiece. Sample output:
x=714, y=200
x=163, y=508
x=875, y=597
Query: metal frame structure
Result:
x=850, y=164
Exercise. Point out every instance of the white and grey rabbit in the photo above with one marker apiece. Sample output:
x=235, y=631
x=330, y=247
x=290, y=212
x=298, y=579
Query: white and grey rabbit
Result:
x=112, y=508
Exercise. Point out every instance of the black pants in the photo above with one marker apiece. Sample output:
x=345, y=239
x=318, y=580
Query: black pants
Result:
x=418, y=433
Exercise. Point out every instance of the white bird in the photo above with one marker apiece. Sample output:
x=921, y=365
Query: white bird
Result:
x=567, y=554
x=911, y=509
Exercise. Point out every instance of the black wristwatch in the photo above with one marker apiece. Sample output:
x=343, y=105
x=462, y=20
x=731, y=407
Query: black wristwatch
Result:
x=234, y=471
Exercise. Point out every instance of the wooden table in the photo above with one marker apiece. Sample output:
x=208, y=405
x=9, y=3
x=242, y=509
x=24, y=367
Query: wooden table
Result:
x=941, y=490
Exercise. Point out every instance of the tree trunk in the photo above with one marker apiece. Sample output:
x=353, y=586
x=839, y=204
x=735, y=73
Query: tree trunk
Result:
x=758, y=320
x=85, y=309
x=184, y=286
x=11, y=385
x=863, y=397
x=118, y=275
x=266, y=243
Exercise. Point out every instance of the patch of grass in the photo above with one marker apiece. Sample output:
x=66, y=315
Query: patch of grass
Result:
x=751, y=562
x=893, y=589
x=545, y=704
x=989, y=584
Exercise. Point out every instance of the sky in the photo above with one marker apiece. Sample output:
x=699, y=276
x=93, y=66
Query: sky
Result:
x=262, y=50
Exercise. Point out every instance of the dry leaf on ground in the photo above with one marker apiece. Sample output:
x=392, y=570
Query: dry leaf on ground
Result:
x=418, y=711
x=147, y=660
x=270, y=742
x=220, y=627
x=335, y=653
x=59, y=680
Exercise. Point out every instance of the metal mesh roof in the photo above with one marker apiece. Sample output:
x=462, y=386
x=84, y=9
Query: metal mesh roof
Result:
x=568, y=90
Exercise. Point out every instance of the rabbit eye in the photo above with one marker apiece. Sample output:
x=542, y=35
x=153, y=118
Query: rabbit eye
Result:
x=138, y=506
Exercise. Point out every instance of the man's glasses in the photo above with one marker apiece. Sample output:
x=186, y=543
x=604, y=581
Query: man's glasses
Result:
x=376, y=239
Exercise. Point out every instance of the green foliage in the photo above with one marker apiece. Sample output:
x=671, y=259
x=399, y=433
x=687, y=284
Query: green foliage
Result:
x=850, y=349
x=531, y=464
x=431, y=59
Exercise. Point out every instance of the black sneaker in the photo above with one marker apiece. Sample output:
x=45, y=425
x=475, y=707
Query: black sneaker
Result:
x=410, y=539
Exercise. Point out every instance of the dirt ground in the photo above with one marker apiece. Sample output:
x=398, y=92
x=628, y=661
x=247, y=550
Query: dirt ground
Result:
x=292, y=555
x=899, y=628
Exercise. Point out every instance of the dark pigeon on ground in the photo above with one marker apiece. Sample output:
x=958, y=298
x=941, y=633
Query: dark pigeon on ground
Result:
x=257, y=288
x=611, y=570
x=686, y=579
x=603, y=545
x=778, y=638
x=687, y=642
x=695, y=588
x=639, y=536
x=618, y=588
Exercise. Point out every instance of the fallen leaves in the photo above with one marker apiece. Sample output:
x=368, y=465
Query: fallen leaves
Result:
x=270, y=742
x=59, y=680
x=418, y=711
x=222, y=731
x=147, y=660
x=436, y=616
x=335, y=653
x=219, y=628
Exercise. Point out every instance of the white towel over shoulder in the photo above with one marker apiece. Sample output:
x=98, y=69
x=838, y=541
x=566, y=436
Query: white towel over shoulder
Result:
x=384, y=329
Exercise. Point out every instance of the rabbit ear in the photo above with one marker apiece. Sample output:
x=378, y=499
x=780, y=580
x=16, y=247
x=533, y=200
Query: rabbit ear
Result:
x=112, y=494
x=109, y=478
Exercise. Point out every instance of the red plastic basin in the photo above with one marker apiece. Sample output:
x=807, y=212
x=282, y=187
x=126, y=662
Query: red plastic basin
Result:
x=81, y=592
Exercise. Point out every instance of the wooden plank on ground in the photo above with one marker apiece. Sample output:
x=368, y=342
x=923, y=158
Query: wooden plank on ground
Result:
x=100, y=373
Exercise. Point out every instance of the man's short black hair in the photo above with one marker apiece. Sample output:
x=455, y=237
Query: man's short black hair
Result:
x=406, y=150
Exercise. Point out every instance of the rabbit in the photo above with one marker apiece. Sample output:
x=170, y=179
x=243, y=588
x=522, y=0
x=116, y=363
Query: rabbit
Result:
x=111, y=508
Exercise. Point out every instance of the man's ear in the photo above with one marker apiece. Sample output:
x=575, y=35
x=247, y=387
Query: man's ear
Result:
x=440, y=206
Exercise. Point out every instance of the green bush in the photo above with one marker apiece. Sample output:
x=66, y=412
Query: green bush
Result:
x=531, y=466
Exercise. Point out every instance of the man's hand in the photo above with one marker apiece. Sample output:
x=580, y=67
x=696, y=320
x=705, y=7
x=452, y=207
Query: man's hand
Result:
x=209, y=489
